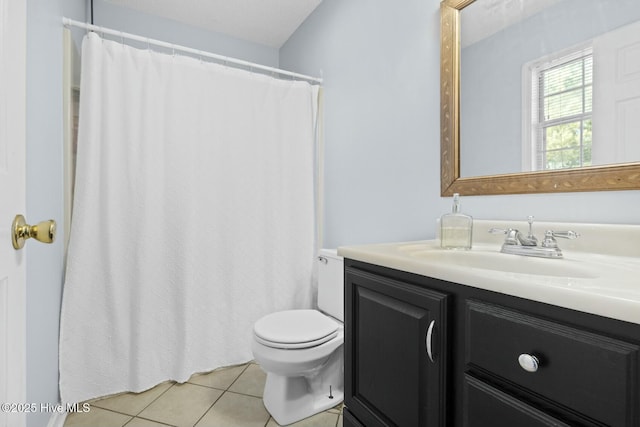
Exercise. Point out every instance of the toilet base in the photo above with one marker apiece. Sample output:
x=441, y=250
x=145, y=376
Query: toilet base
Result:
x=291, y=399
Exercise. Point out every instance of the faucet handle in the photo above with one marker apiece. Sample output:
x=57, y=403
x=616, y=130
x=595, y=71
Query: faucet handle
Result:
x=512, y=235
x=564, y=234
x=549, y=240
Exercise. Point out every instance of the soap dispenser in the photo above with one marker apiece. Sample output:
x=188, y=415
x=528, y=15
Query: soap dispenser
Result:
x=456, y=228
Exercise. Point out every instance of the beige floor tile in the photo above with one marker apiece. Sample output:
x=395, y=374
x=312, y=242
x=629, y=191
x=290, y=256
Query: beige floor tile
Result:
x=182, y=405
x=132, y=403
x=336, y=409
x=251, y=381
x=339, y=421
x=235, y=410
x=323, y=419
x=141, y=422
x=220, y=378
x=96, y=417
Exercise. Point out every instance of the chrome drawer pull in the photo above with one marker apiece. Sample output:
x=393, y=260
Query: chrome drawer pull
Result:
x=429, y=339
x=528, y=362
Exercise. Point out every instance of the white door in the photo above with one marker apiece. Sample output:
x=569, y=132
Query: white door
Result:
x=616, y=96
x=12, y=202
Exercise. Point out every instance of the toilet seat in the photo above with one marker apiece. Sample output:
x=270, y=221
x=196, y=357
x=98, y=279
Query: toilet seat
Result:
x=295, y=329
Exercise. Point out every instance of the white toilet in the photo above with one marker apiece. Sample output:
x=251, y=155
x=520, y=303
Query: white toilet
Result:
x=302, y=350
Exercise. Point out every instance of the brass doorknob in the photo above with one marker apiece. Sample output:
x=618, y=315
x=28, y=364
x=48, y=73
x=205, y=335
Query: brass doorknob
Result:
x=44, y=231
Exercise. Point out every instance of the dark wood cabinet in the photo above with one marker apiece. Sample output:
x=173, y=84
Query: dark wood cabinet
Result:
x=590, y=373
x=488, y=406
x=396, y=353
x=585, y=372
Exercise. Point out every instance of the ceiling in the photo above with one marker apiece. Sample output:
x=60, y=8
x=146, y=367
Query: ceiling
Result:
x=267, y=22
x=484, y=18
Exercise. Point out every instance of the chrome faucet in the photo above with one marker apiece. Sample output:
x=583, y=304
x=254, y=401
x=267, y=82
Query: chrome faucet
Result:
x=517, y=243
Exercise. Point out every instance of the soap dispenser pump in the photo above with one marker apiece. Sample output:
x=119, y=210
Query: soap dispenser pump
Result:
x=456, y=228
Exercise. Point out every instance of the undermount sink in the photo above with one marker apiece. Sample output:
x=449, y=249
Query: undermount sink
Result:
x=497, y=261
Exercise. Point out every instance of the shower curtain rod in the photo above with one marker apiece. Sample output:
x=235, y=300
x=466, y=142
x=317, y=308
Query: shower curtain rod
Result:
x=226, y=59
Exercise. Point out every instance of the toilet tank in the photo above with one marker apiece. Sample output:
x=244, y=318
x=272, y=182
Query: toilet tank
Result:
x=331, y=283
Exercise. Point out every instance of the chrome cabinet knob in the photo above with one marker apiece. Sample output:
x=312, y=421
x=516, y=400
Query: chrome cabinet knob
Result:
x=528, y=362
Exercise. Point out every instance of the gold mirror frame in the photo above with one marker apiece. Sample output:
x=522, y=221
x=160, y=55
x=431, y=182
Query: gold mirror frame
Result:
x=624, y=176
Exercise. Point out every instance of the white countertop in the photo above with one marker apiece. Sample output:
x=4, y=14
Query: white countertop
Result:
x=599, y=274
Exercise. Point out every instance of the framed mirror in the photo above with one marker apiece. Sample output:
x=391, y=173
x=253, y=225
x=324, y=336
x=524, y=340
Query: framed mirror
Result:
x=465, y=134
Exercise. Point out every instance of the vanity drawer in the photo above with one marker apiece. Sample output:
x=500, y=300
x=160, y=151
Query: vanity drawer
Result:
x=592, y=374
x=487, y=406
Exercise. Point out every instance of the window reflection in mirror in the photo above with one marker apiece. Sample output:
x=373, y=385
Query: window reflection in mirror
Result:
x=557, y=116
x=527, y=98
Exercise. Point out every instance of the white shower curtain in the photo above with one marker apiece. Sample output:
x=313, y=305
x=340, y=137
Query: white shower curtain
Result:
x=193, y=217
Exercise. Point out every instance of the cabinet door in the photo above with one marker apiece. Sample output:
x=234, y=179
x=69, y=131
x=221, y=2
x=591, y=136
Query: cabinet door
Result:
x=395, y=352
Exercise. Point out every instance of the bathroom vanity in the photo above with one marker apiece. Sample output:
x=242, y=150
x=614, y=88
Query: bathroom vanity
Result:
x=480, y=338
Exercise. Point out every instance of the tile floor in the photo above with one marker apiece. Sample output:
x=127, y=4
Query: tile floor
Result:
x=227, y=397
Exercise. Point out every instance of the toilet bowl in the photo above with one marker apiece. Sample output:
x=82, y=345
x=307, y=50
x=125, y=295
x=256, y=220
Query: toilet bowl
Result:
x=302, y=350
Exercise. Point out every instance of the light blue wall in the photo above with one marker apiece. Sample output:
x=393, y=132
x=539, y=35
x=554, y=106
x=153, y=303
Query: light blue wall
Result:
x=380, y=65
x=382, y=118
x=489, y=74
x=131, y=21
x=45, y=195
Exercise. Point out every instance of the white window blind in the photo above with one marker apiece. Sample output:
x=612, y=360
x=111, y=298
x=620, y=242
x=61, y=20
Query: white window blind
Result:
x=561, y=112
